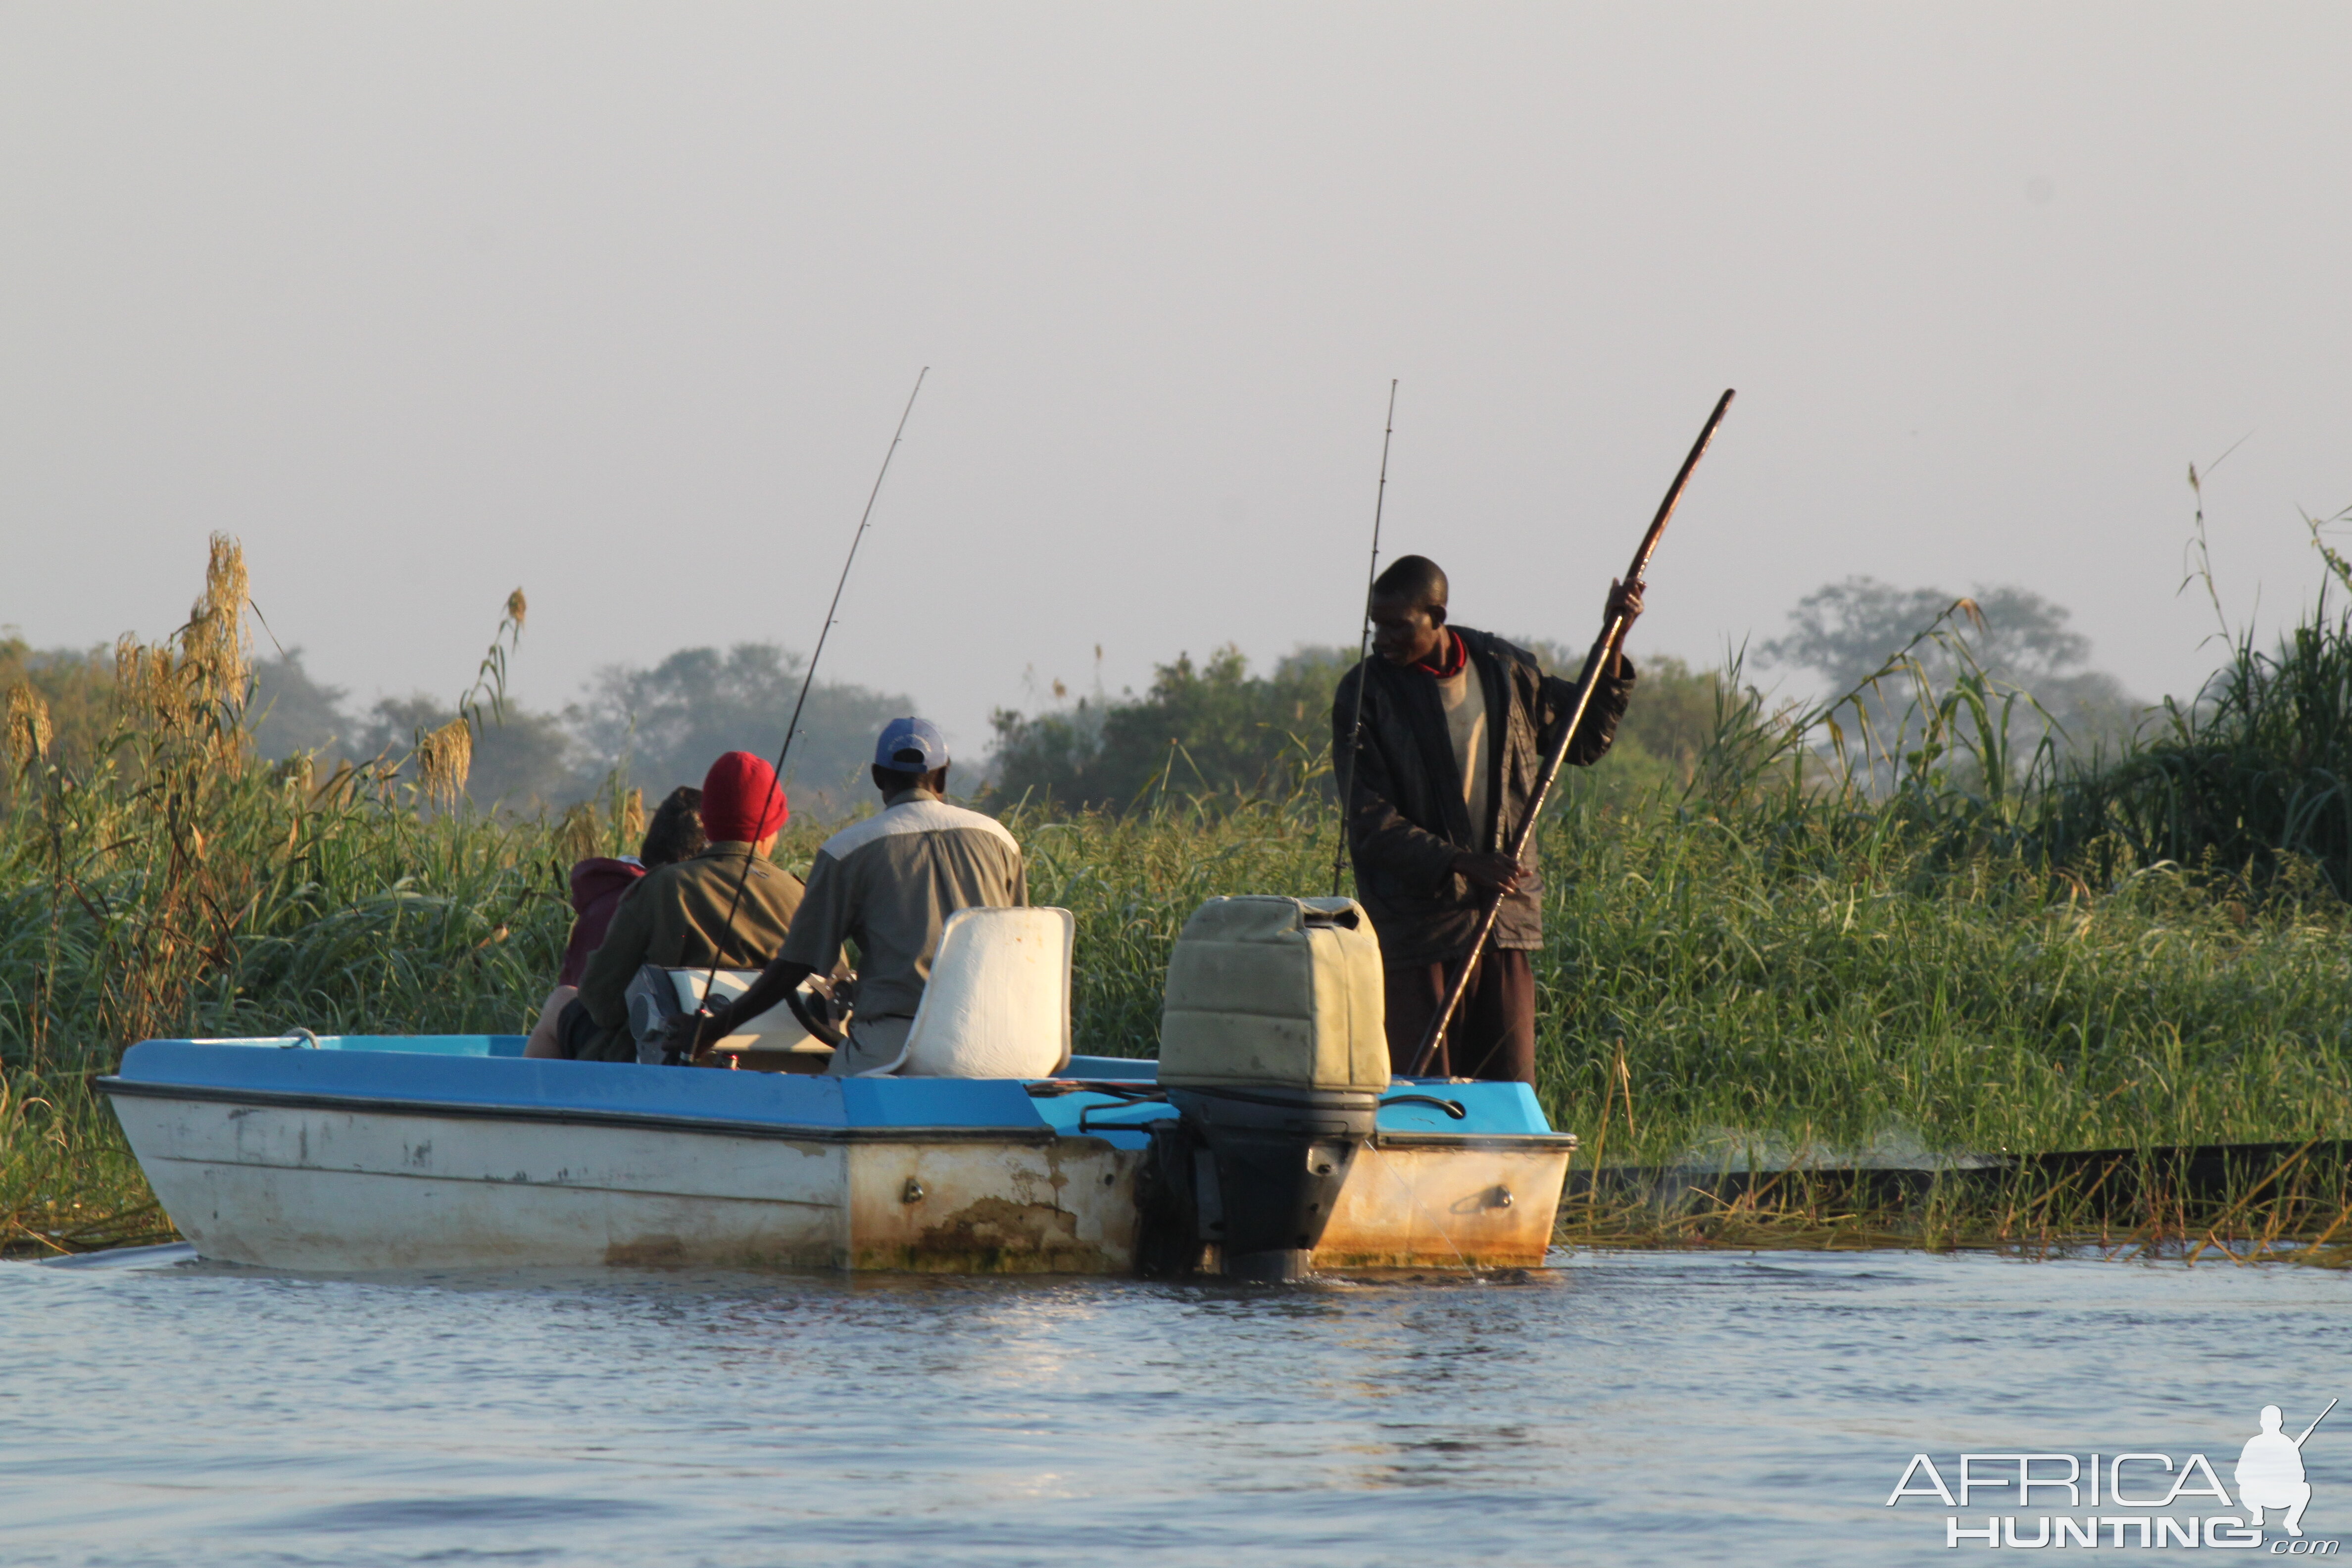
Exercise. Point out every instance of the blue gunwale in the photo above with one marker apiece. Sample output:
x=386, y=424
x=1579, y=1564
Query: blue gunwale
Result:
x=486, y=1076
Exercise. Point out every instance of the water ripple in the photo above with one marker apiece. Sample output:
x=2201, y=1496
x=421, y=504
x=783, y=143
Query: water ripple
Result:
x=1622, y=1408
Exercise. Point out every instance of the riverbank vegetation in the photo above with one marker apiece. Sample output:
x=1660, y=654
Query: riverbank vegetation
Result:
x=1901, y=930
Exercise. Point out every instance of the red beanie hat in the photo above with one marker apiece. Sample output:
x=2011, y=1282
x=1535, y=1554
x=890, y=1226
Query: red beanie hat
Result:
x=740, y=802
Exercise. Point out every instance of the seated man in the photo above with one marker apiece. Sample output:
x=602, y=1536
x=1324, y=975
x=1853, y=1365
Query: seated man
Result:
x=677, y=917
x=598, y=886
x=888, y=884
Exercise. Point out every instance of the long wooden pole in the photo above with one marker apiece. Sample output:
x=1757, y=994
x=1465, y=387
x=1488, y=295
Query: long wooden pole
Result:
x=1604, y=655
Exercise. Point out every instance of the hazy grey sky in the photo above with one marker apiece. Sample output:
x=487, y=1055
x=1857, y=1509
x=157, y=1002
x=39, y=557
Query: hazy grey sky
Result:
x=619, y=303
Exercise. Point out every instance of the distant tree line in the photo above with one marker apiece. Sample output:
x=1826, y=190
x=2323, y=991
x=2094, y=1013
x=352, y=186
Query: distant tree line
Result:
x=1843, y=631
x=1206, y=727
x=656, y=726
x=1212, y=727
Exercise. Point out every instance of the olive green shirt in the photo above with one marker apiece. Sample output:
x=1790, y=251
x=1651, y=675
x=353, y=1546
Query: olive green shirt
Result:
x=676, y=916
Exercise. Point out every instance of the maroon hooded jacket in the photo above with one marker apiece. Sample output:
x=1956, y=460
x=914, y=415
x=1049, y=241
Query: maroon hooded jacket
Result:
x=596, y=888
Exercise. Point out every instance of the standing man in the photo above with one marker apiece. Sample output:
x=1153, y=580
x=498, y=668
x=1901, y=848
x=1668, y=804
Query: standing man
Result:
x=888, y=884
x=1456, y=724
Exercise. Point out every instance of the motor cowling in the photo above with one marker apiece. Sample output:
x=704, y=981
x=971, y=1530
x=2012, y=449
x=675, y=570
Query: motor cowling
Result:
x=1273, y=1046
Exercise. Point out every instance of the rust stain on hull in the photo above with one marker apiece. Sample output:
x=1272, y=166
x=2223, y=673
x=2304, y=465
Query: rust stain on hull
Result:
x=995, y=1236
x=646, y=1252
x=1067, y=1207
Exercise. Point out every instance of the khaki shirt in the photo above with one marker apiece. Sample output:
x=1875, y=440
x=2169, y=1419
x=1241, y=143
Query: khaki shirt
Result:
x=1464, y=698
x=675, y=917
x=890, y=882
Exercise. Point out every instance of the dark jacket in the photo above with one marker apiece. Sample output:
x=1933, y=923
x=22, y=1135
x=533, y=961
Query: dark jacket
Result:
x=596, y=888
x=676, y=916
x=1406, y=820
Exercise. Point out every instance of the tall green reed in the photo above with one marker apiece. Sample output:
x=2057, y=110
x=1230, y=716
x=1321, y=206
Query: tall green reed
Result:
x=1869, y=929
x=169, y=882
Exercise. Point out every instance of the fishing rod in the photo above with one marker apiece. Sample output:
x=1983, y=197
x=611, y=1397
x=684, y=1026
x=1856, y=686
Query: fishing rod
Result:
x=1363, y=654
x=2314, y=1425
x=1604, y=655
x=735, y=905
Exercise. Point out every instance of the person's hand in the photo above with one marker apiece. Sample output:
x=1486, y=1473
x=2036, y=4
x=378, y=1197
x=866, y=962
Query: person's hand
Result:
x=1488, y=873
x=695, y=1033
x=1625, y=599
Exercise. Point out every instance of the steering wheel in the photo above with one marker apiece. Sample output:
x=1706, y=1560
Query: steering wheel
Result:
x=815, y=1010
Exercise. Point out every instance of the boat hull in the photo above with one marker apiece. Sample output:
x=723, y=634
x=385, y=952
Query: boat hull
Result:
x=361, y=1156
x=323, y=1187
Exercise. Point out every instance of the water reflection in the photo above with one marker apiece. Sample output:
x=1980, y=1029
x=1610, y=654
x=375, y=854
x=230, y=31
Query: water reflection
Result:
x=1622, y=1408
x=435, y=1512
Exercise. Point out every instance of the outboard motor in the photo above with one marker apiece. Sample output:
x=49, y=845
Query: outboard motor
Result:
x=1273, y=1045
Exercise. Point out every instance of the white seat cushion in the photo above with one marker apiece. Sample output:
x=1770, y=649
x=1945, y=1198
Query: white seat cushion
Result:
x=998, y=1004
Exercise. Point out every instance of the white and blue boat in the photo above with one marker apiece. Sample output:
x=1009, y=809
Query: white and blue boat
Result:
x=1255, y=1156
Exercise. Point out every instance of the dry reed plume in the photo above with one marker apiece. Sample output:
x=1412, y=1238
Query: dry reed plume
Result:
x=169, y=883
x=28, y=728
x=444, y=757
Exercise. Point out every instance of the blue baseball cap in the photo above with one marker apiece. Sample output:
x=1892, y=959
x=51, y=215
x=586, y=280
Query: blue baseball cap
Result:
x=919, y=736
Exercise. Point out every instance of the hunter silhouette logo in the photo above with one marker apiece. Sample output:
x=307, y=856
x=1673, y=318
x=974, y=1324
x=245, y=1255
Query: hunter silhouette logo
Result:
x=2131, y=1499
x=2269, y=1471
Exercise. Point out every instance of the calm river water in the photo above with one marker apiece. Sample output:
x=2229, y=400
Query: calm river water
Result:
x=1620, y=1408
